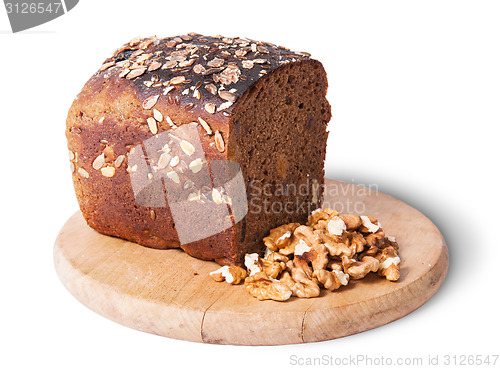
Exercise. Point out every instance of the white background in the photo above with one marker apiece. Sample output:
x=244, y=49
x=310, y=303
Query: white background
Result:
x=415, y=92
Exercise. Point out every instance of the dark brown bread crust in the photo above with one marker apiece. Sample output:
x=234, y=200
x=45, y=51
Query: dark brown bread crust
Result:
x=185, y=78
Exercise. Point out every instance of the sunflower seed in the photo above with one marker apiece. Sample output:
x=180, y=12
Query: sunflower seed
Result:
x=170, y=122
x=123, y=64
x=98, y=162
x=145, y=44
x=165, y=148
x=168, y=89
x=229, y=96
x=143, y=57
x=198, y=68
x=136, y=53
x=83, y=173
x=150, y=102
x=216, y=196
x=219, y=141
x=188, y=184
x=157, y=115
x=107, y=65
x=211, y=88
x=196, y=165
x=210, y=107
x=187, y=147
x=216, y=63
x=205, y=125
x=154, y=66
x=186, y=63
x=262, y=49
x=153, y=126
x=163, y=160
x=177, y=80
x=194, y=196
x=247, y=64
x=173, y=176
x=108, y=171
x=136, y=73
x=240, y=52
x=169, y=64
x=175, y=160
x=171, y=43
x=119, y=161
x=124, y=72
x=225, y=105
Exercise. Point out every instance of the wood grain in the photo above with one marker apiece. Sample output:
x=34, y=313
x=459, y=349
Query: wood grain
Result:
x=169, y=293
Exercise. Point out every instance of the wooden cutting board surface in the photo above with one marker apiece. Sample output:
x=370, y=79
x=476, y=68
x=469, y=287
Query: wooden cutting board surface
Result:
x=169, y=293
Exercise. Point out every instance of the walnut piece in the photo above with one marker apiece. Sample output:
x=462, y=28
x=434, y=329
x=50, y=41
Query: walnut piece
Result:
x=320, y=214
x=359, y=269
x=272, y=268
x=280, y=237
x=334, y=248
x=276, y=256
x=317, y=254
x=263, y=288
x=230, y=273
x=300, y=284
x=331, y=280
x=304, y=285
x=389, y=263
x=351, y=221
x=368, y=224
x=376, y=239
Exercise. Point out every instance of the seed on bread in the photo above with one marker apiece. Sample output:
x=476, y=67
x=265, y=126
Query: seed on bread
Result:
x=219, y=141
x=136, y=73
x=205, y=125
x=210, y=107
x=157, y=115
x=83, y=173
x=177, y=80
x=153, y=126
x=228, y=96
x=187, y=147
x=98, y=162
x=150, y=102
x=108, y=171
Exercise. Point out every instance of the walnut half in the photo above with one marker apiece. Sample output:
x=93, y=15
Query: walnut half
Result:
x=331, y=280
x=263, y=288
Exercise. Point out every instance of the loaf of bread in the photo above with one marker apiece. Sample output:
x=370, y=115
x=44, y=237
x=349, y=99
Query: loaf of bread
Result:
x=203, y=143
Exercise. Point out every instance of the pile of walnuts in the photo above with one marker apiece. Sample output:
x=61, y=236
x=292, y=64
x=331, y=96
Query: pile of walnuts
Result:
x=327, y=252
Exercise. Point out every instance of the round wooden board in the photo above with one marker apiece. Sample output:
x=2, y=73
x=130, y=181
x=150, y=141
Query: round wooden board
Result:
x=169, y=293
